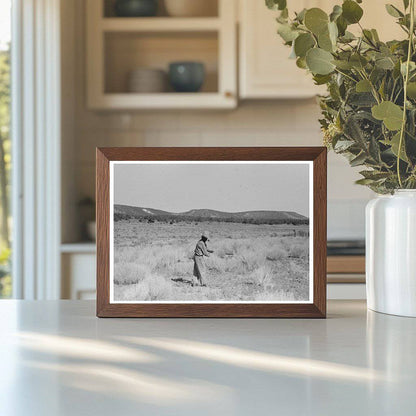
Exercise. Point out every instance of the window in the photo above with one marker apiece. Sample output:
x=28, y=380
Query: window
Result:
x=5, y=145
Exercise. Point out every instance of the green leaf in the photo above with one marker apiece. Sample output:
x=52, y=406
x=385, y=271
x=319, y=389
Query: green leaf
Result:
x=411, y=90
x=363, y=86
x=300, y=17
x=394, y=144
x=393, y=11
x=391, y=114
x=374, y=150
x=358, y=160
x=327, y=39
x=303, y=43
x=375, y=175
x=361, y=99
x=343, y=145
x=354, y=131
x=351, y=11
x=343, y=65
x=319, y=61
x=301, y=63
x=321, y=79
x=385, y=63
x=276, y=4
x=342, y=25
x=364, y=181
x=368, y=36
x=347, y=37
x=286, y=32
x=336, y=12
x=412, y=67
x=358, y=61
x=325, y=42
x=333, y=32
x=375, y=35
x=284, y=14
x=316, y=20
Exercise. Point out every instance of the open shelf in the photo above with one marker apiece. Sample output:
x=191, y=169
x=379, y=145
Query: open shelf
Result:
x=162, y=101
x=127, y=51
x=160, y=24
x=116, y=46
x=80, y=247
x=211, y=9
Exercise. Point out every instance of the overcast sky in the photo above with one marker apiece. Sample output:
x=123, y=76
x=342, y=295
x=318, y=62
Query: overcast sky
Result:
x=223, y=187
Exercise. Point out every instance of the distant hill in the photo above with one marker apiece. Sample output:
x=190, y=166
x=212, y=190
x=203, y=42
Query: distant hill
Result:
x=125, y=212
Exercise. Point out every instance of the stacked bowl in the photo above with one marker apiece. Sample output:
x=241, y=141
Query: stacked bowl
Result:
x=191, y=8
x=147, y=80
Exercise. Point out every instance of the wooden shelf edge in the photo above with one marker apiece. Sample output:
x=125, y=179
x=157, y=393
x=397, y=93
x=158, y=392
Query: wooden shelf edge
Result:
x=81, y=247
x=346, y=265
x=163, y=101
x=159, y=24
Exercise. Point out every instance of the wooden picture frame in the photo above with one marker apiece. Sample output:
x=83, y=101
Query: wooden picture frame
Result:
x=315, y=307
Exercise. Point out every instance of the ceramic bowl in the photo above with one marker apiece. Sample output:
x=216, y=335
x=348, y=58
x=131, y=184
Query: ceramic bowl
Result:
x=147, y=80
x=186, y=76
x=136, y=8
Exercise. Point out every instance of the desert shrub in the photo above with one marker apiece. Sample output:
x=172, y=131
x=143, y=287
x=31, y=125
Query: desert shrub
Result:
x=226, y=248
x=129, y=273
x=276, y=253
x=262, y=276
x=150, y=289
x=250, y=261
x=159, y=288
x=182, y=268
x=298, y=248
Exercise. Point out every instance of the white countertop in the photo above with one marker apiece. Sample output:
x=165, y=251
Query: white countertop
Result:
x=57, y=359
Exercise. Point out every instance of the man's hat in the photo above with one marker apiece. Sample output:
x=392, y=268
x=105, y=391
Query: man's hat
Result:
x=205, y=234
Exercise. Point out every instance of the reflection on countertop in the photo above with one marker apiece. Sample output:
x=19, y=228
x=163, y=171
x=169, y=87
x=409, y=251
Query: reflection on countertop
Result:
x=63, y=360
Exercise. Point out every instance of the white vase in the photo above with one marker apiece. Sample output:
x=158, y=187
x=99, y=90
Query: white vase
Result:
x=391, y=253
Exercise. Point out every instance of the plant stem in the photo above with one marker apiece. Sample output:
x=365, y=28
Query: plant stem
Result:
x=406, y=80
x=345, y=75
x=373, y=89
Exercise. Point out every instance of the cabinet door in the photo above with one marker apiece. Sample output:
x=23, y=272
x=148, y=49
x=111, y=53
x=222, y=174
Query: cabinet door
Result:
x=265, y=68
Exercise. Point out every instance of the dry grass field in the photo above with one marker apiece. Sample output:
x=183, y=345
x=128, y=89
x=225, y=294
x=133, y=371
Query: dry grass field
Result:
x=153, y=262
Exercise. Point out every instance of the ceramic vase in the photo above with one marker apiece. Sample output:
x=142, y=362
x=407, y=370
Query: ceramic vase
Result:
x=391, y=253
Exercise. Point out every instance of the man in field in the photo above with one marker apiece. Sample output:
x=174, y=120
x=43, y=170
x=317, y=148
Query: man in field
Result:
x=201, y=250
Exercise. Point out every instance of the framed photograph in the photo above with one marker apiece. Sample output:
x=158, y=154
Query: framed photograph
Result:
x=211, y=232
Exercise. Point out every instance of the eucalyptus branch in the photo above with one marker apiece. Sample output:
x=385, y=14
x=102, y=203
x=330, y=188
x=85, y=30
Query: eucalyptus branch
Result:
x=346, y=75
x=373, y=89
x=363, y=109
x=406, y=80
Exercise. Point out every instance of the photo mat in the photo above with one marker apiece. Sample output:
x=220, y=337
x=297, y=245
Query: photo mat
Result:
x=258, y=217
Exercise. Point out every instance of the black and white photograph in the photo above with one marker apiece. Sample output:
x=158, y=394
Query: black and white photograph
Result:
x=210, y=232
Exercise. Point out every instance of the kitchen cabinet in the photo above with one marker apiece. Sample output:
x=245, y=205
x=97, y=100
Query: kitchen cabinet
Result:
x=118, y=45
x=265, y=70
